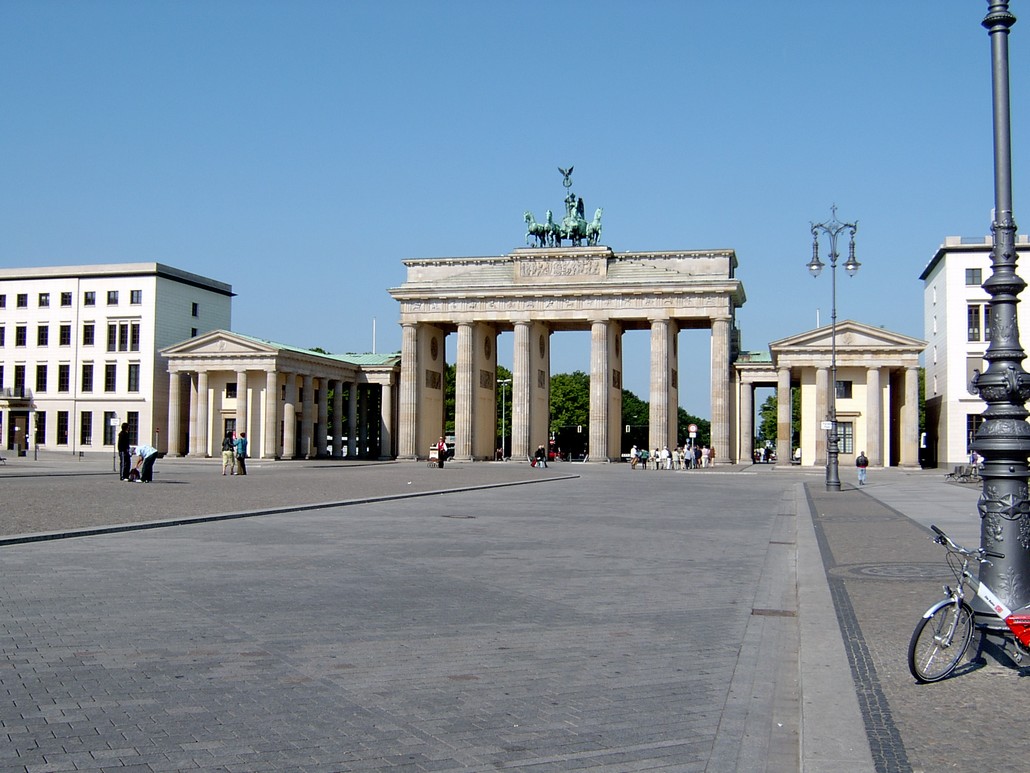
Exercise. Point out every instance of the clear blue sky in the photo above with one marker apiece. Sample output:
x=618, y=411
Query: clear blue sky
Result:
x=301, y=150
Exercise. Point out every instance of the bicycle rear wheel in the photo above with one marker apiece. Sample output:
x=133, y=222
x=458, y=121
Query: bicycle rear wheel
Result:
x=939, y=642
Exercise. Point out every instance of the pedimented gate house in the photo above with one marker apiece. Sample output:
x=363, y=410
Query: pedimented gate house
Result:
x=280, y=396
x=539, y=291
x=877, y=393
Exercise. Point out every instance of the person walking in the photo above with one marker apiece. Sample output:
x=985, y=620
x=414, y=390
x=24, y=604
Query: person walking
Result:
x=241, y=454
x=124, y=455
x=862, y=462
x=147, y=456
x=541, y=456
x=228, y=454
x=634, y=457
x=441, y=452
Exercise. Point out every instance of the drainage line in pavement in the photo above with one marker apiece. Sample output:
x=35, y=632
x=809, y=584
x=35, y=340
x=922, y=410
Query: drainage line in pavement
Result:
x=24, y=539
x=885, y=742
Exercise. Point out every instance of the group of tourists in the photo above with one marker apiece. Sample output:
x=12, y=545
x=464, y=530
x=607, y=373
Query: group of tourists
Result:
x=679, y=458
x=234, y=453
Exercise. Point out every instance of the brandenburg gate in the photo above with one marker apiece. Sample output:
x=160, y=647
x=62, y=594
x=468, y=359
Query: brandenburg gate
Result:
x=539, y=291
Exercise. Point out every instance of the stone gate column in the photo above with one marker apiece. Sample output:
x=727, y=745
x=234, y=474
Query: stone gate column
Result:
x=822, y=412
x=783, y=418
x=599, y=386
x=307, y=417
x=203, y=425
x=242, y=402
x=520, y=376
x=408, y=430
x=747, y=422
x=658, y=436
x=352, y=419
x=174, y=414
x=337, y=430
x=290, y=417
x=270, y=430
x=323, y=417
x=909, y=440
x=721, y=390
x=464, y=410
x=386, y=422
x=873, y=418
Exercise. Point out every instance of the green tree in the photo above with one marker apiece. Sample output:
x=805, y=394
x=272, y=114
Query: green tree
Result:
x=768, y=424
x=570, y=400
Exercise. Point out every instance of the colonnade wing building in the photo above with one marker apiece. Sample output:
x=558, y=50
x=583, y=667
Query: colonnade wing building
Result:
x=280, y=395
x=535, y=293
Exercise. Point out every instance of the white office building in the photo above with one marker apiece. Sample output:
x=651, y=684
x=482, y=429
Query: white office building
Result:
x=80, y=351
x=957, y=324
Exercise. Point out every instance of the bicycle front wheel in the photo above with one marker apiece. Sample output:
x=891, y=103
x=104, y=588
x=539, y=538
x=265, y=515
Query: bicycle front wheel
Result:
x=939, y=642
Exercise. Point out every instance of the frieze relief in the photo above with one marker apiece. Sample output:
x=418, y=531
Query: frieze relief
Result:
x=562, y=269
x=562, y=304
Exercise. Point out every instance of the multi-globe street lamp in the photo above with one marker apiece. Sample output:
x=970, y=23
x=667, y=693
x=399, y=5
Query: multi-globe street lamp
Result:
x=1004, y=437
x=833, y=228
x=503, y=382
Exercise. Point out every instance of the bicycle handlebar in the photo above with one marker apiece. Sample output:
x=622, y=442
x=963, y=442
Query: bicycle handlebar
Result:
x=980, y=552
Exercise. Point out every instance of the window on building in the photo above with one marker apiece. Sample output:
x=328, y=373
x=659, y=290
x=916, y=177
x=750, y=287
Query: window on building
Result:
x=22, y=301
x=42, y=335
x=40, y=428
x=134, y=337
x=133, y=376
x=64, y=377
x=62, y=428
x=66, y=299
x=1, y=387
x=86, y=428
x=110, y=427
x=41, y=377
x=844, y=390
x=19, y=380
x=44, y=300
x=3, y=336
x=135, y=297
x=987, y=322
x=123, y=336
x=846, y=437
x=132, y=419
x=195, y=310
x=87, y=377
x=88, y=334
x=112, y=337
x=110, y=376
x=973, y=322
x=89, y=298
x=112, y=297
x=230, y=390
x=193, y=332
x=974, y=277
x=973, y=422
x=20, y=335
x=65, y=335
x=3, y=301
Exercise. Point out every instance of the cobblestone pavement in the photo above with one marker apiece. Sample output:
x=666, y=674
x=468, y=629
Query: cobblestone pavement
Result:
x=884, y=572
x=602, y=622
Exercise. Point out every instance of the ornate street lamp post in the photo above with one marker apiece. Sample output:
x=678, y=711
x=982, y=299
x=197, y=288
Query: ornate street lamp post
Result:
x=833, y=228
x=1004, y=437
x=503, y=382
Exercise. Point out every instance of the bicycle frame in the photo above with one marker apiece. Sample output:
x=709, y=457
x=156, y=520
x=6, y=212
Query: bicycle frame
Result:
x=1018, y=622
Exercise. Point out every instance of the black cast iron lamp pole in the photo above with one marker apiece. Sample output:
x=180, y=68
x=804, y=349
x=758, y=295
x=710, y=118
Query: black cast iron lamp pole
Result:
x=1004, y=437
x=833, y=228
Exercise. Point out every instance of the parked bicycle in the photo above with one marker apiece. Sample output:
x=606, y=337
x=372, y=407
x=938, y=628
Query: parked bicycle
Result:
x=946, y=629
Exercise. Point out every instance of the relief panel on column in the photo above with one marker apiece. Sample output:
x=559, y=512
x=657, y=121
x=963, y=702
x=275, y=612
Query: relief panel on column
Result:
x=432, y=367
x=484, y=361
